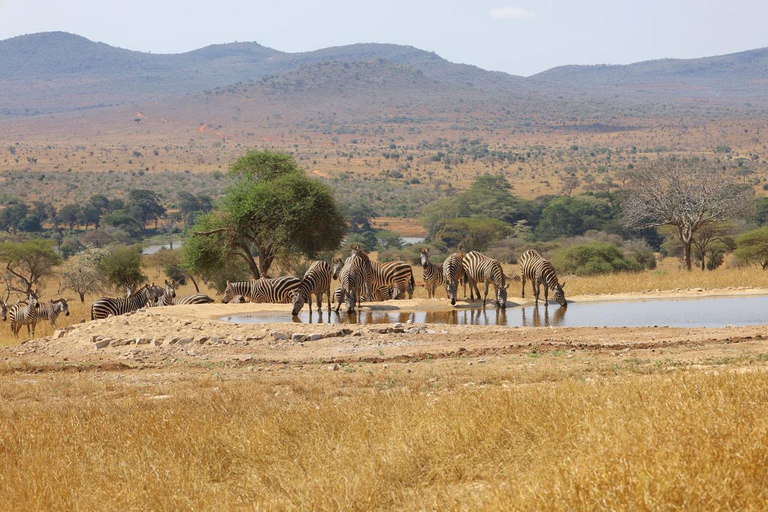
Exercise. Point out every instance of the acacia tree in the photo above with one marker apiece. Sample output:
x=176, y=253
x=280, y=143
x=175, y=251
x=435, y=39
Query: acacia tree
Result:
x=28, y=262
x=686, y=193
x=81, y=273
x=272, y=210
x=752, y=247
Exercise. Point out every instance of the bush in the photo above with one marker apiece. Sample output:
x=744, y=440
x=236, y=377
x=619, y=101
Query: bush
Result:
x=594, y=258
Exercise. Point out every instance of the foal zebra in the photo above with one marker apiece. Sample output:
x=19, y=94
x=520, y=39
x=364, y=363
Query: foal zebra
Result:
x=278, y=289
x=25, y=314
x=533, y=266
x=105, y=306
x=480, y=268
x=431, y=274
x=317, y=280
x=453, y=272
x=52, y=310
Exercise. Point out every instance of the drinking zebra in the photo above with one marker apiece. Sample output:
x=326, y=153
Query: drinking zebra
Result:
x=105, y=306
x=453, y=273
x=431, y=274
x=317, y=280
x=533, y=266
x=52, y=310
x=24, y=314
x=352, y=278
x=278, y=290
x=480, y=268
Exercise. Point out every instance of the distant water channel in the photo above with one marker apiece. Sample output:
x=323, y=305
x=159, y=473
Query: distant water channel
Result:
x=705, y=312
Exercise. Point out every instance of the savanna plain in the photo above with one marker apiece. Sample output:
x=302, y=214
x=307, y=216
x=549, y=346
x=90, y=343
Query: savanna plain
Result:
x=455, y=418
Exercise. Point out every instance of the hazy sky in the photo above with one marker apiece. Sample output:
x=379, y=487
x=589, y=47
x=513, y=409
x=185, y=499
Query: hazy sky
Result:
x=521, y=37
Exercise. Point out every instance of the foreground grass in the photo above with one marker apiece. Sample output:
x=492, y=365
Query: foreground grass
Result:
x=443, y=437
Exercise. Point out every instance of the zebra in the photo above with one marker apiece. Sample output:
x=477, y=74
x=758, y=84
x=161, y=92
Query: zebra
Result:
x=167, y=294
x=397, y=275
x=533, y=266
x=195, y=298
x=352, y=278
x=480, y=268
x=105, y=306
x=378, y=295
x=52, y=310
x=453, y=273
x=21, y=313
x=317, y=280
x=278, y=289
x=431, y=274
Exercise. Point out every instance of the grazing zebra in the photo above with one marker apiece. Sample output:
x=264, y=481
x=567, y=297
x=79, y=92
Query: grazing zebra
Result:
x=480, y=268
x=52, y=310
x=24, y=314
x=105, y=306
x=431, y=274
x=453, y=273
x=396, y=275
x=196, y=298
x=533, y=266
x=278, y=289
x=317, y=280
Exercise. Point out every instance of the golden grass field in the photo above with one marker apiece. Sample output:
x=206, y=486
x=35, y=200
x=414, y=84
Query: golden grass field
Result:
x=679, y=429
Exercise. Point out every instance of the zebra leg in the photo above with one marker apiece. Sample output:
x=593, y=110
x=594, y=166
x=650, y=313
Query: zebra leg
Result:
x=341, y=298
x=329, y=298
x=546, y=295
x=485, y=296
x=522, y=279
x=536, y=290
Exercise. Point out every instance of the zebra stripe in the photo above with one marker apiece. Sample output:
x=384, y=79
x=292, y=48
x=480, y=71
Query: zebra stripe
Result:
x=105, y=306
x=24, y=314
x=52, y=310
x=453, y=273
x=397, y=275
x=431, y=274
x=480, y=268
x=317, y=280
x=277, y=290
x=196, y=298
x=167, y=294
x=533, y=266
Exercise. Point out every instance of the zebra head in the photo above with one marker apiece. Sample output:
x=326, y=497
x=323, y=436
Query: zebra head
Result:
x=298, y=302
x=129, y=290
x=560, y=294
x=424, y=252
x=350, y=300
x=229, y=293
x=338, y=264
x=33, y=302
x=501, y=296
x=170, y=289
x=62, y=306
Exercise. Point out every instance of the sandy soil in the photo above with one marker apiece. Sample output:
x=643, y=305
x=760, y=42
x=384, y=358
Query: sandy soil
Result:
x=194, y=335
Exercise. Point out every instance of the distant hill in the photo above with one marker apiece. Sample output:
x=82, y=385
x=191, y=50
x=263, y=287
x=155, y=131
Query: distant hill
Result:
x=60, y=72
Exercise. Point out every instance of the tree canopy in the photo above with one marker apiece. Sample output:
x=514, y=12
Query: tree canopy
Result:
x=27, y=262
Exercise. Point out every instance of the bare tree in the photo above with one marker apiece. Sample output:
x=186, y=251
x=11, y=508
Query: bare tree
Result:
x=687, y=193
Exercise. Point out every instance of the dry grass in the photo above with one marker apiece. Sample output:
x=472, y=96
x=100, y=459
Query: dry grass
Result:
x=447, y=436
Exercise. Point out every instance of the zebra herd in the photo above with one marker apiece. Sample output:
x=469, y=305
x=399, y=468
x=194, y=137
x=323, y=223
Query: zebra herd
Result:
x=149, y=295
x=31, y=311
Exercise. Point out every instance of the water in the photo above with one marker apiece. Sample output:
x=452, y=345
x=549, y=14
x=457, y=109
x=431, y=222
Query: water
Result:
x=152, y=249
x=706, y=312
x=412, y=239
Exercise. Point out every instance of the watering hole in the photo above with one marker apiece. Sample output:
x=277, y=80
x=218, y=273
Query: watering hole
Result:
x=705, y=312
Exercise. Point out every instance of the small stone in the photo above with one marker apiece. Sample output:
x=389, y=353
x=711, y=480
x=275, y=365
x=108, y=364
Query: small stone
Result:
x=238, y=337
x=173, y=341
x=142, y=341
x=58, y=334
x=202, y=340
x=157, y=342
x=297, y=337
x=316, y=336
x=101, y=343
x=279, y=335
x=398, y=325
x=185, y=341
x=94, y=339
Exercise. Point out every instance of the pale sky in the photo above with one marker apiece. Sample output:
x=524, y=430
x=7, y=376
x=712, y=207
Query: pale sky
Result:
x=521, y=37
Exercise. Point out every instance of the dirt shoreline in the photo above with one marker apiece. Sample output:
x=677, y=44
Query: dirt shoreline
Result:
x=193, y=335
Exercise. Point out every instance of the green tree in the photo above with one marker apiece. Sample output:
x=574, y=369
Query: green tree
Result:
x=752, y=247
x=272, y=210
x=572, y=216
x=145, y=205
x=28, y=262
x=121, y=266
x=12, y=215
x=70, y=215
x=594, y=258
x=81, y=273
x=474, y=233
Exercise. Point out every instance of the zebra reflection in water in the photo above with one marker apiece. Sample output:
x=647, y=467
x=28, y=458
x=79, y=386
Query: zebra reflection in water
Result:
x=536, y=321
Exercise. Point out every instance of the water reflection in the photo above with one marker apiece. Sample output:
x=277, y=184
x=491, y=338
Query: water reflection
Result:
x=705, y=312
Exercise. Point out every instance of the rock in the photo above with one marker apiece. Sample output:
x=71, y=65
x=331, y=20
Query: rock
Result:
x=314, y=337
x=279, y=335
x=94, y=339
x=157, y=342
x=185, y=341
x=101, y=343
x=238, y=337
x=398, y=325
x=202, y=340
x=142, y=341
x=300, y=338
x=58, y=334
x=173, y=341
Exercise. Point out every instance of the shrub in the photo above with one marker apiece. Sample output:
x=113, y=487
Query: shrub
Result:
x=594, y=258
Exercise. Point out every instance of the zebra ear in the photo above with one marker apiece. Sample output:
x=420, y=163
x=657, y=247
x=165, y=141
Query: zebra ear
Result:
x=506, y=286
x=562, y=285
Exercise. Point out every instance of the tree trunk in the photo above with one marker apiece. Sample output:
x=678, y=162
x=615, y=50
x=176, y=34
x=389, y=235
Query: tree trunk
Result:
x=687, y=254
x=82, y=297
x=194, y=282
